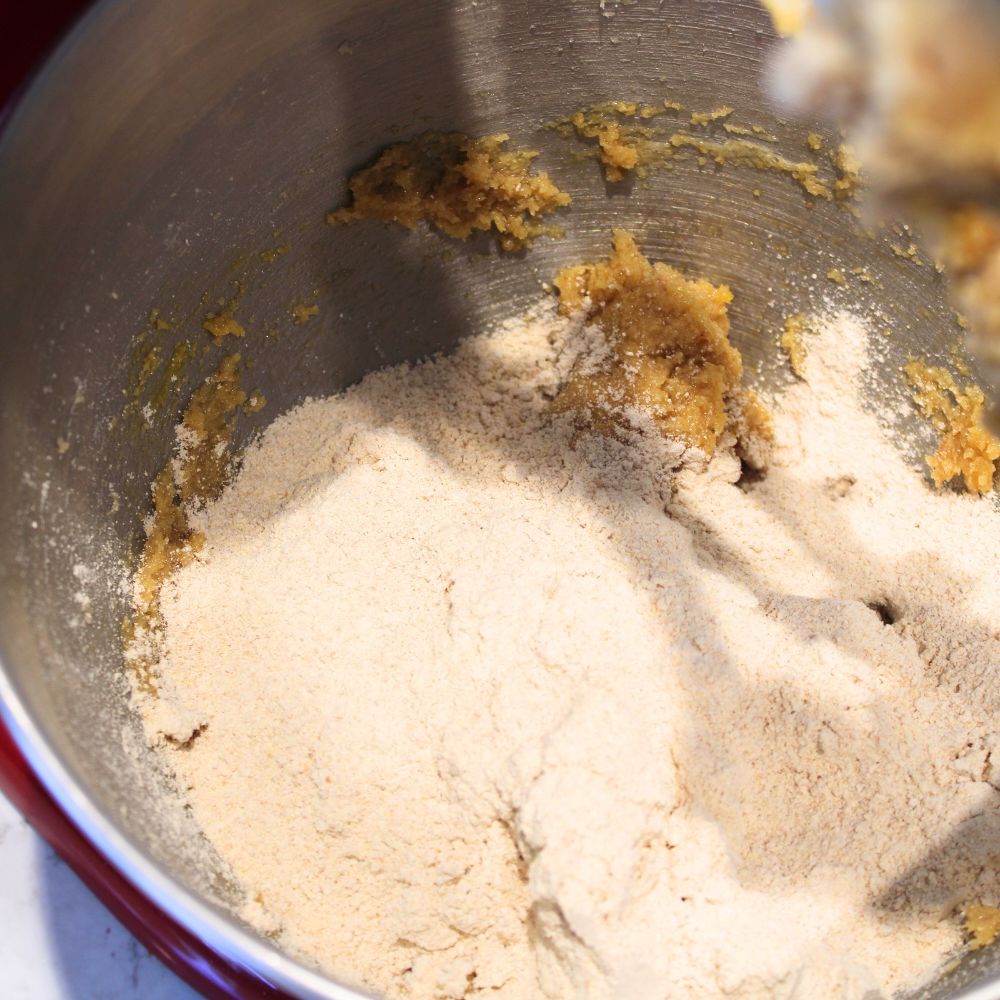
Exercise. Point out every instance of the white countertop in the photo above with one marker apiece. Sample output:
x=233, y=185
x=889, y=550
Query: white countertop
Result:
x=57, y=942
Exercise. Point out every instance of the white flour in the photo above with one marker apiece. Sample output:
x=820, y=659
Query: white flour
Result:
x=474, y=716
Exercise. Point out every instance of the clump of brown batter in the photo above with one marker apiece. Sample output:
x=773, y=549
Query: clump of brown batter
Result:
x=624, y=145
x=620, y=143
x=966, y=448
x=458, y=184
x=670, y=350
x=195, y=476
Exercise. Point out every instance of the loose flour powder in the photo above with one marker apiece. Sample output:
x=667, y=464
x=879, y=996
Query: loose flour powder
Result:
x=475, y=704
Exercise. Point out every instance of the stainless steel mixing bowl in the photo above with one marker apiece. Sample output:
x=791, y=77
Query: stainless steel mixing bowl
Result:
x=168, y=143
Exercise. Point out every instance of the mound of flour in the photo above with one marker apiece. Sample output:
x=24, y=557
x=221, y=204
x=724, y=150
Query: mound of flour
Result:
x=475, y=704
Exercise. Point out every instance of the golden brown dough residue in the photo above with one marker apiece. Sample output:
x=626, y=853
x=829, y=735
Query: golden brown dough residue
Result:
x=966, y=448
x=619, y=145
x=272, y=254
x=742, y=153
x=848, y=169
x=626, y=144
x=459, y=185
x=302, y=313
x=707, y=117
x=750, y=131
x=222, y=324
x=195, y=476
x=623, y=145
x=670, y=351
x=983, y=925
x=793, y=342
x=910, y=252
